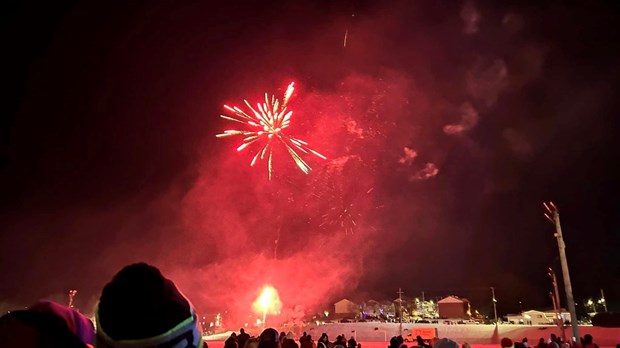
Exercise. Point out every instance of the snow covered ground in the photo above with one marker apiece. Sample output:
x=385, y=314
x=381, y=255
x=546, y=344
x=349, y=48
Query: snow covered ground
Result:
x=376, y=335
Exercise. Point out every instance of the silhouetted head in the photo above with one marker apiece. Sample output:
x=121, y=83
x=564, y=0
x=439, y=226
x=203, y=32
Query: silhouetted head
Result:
x=79, y=325
x=269, y=338
x=32, y=329
x=289, y=343
x=139, y=307
x=446, y=343
x=506, y=342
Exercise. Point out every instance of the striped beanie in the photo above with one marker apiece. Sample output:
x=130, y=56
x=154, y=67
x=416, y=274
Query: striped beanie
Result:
x=140, y=308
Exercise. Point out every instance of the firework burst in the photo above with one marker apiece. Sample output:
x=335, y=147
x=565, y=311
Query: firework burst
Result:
x=343, y=218
x=266, y=125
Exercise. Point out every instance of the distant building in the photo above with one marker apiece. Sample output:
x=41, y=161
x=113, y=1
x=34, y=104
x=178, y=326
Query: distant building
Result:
x=515, y=318
x=535, y=317
x=453, y=307
x=564, y=315
x=371, y=308
x=346, y=309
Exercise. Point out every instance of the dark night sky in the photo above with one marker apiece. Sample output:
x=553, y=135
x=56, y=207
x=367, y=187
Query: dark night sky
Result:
x=108, y=153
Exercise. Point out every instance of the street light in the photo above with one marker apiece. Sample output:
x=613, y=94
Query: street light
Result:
x=591, y=307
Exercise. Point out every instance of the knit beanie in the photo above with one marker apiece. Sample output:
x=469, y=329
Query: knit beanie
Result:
x=28, y=328
x=77, y=323
x=140, y=308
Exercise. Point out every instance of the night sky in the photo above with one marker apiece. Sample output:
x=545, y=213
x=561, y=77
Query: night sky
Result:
x=445, y=124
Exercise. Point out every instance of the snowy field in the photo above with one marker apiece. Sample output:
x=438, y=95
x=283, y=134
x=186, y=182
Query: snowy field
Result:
x=376, y=335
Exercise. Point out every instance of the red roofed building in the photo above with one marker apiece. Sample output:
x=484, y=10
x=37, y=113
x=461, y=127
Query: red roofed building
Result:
x=453, y=307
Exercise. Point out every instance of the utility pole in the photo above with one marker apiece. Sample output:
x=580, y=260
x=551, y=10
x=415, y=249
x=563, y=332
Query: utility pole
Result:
x=424, y=307
x=494, y=304
x=400, y=305
x=553, y=215
x=603, y=301
x=72, y=294
x=555, y=297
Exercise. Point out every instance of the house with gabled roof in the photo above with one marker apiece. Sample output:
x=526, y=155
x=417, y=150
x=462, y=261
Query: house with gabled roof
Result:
x=453, y=307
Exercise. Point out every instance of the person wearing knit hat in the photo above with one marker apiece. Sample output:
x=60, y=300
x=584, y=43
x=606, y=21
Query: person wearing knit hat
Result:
x=77, y=323
x=140, y=308
x=42, y=327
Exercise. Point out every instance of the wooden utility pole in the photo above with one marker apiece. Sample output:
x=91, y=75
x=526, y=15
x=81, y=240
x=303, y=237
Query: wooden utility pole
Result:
x=553, y=215
x=603, y=301
x=494, y=304
x=555, y=297
x=400, y=305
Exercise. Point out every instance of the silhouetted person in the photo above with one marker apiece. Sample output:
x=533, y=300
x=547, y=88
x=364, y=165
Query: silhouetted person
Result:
x=446, y=343
x=422, y=343
x=307, y=342
x=588, y=342
x=340, y=342
x=269, y=339
x=506, y=342
x=553, y=341
x=140, y=307
x=394, y=342
x=39, y=329
x=541, y=343
x=231, y=342
x=289, y=343
x=352, y=342
x=303, y=337
x=242, y=338
x=323, y=341
x=525, y=342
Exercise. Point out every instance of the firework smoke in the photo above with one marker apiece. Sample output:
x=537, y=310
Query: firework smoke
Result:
x=429, y=105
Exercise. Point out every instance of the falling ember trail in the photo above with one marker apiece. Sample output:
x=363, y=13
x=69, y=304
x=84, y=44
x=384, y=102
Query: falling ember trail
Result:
x=268, y=302
x=268, y=121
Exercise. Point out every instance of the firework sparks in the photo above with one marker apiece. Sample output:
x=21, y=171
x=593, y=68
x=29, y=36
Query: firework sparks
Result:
x=268, y=302
x=267, y=123
x=343, y=218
